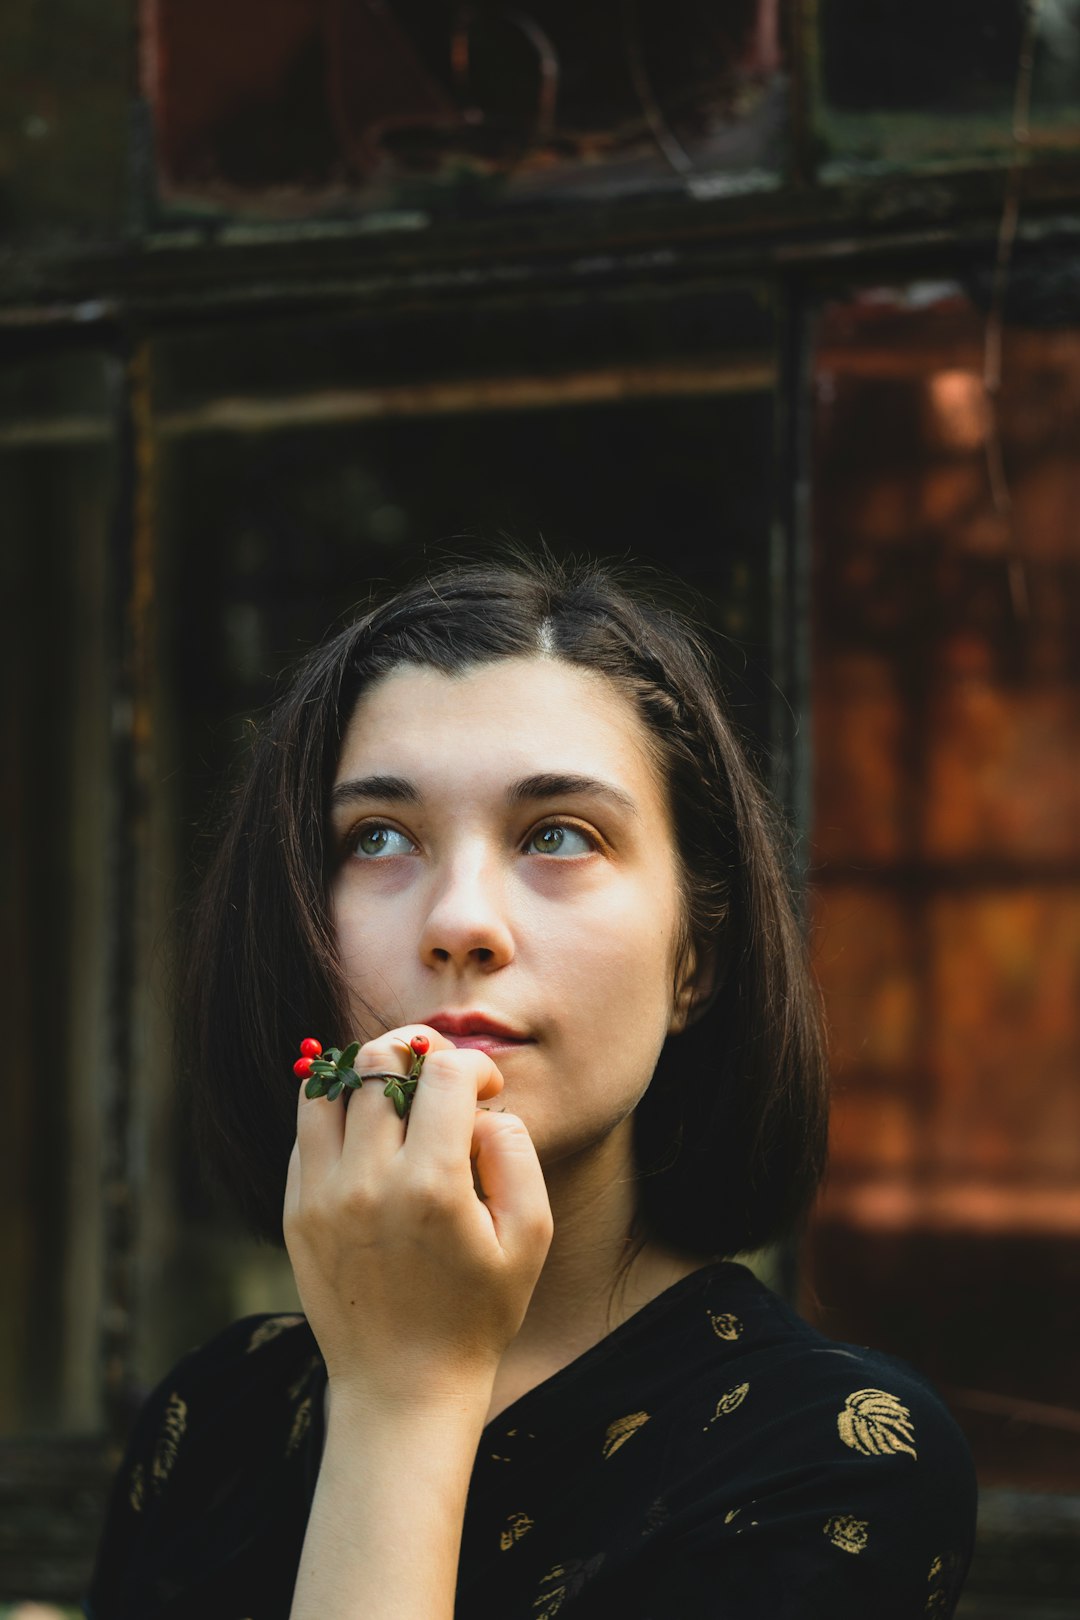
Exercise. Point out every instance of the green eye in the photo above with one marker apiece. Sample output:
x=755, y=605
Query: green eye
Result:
x=559, y=840
x=374, y=840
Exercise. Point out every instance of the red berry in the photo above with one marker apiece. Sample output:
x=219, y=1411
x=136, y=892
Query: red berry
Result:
x=302, y=1068
x=311, y=1048
x=419, y=1044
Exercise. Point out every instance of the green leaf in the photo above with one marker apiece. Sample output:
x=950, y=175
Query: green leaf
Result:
x=316, y=1087
x=332, y=1055
x=348, y=1057
x=320, y=1066
x=352, y=1080
x=335, y=1091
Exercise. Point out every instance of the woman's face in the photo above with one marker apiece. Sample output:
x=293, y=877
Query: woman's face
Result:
x=516, y=861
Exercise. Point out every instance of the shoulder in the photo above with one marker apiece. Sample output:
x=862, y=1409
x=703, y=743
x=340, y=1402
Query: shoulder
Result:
x=249, y=1356
x=242, y=1345
x=802, y=1373
x=833, y=1459
x=810, y=1396
x=231, y=1383
x=228, y=1414
x=874, y=1405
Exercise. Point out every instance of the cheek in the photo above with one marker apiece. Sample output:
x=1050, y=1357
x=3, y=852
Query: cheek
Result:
x=623, y=964
x=356, y=935
x=344, y=931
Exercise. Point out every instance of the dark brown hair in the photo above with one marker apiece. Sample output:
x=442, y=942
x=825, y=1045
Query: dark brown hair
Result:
x=730, y=1138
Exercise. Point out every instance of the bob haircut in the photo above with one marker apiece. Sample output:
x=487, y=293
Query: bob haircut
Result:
x=730, y=1137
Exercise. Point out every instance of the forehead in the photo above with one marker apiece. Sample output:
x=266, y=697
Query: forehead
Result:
x=508, y=718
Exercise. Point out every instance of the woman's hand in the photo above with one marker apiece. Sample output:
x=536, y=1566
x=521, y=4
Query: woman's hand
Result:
x=411, y=1279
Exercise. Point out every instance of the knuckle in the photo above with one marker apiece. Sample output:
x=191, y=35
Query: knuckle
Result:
x=360, y=1199
x=428, y=1193
x=444, y=1066
x=537, y=1234
x=457, y=1065
x=379, y=1053
x=310, y=1221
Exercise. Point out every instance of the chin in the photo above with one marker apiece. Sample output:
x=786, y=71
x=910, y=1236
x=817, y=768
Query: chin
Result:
x=555, y=1146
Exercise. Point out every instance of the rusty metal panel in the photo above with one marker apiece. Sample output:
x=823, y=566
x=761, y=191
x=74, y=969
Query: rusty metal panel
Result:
x=418, y=110
x=946, y=871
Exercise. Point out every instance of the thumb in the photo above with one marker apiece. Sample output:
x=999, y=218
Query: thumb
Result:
x=511, y=1183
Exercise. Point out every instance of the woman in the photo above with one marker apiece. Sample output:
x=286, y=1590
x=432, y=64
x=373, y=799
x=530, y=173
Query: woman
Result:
x=505, y=814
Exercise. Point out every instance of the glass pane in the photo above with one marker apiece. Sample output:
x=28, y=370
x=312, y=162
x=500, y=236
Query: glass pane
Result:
x=57, y=473
x=65, y=119
x=903, y=82
x=421, y=111
x=279, y=515
x=946, y=880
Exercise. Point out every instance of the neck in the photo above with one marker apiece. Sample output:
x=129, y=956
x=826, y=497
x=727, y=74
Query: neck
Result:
x=580, y=1295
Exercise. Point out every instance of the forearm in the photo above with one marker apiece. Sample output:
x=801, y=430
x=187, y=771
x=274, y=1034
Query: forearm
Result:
x=384, y=1535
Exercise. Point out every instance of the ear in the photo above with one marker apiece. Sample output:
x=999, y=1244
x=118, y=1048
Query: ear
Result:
x=699, y=984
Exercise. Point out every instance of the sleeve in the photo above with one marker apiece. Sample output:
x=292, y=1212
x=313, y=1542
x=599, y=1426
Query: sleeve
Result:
x=871, y=1513
x=139, y=1494
x=187, y=1448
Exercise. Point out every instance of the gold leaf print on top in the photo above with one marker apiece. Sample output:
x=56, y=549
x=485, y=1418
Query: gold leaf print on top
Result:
x=733, y=1513
x=657, y=1515
x=726, y=1326
x=550, y=1602
x=270, y=1329
x=137, y=1489
x=619, y=1432
x=943, y=1578
x=510, y=1434
x=851, y=1535
x=172, y=1432
x=517, y=1525
x=728, y=1402
x=296, y=1388
x=876, y=1424
x=300, y=1427
x=570, y=1577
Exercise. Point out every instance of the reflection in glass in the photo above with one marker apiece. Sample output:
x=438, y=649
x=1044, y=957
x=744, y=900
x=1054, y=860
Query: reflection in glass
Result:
x=946, y=877
x=422, y=106
x=912, y=82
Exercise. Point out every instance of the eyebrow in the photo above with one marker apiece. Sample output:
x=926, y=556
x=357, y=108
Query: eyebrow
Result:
x=544, y=785
x=397, y=789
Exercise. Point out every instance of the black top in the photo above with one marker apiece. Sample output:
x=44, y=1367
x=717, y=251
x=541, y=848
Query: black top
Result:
x=713, y=1457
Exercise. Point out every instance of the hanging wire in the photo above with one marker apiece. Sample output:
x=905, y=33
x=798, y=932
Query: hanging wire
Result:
x=662, y=133
x=995, y=320
x=547, y=60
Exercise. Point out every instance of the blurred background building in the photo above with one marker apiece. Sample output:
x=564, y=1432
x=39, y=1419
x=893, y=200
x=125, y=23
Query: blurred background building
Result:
x=296, y=294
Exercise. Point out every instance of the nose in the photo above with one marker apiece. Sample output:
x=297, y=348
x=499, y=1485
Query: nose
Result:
x=467, y=922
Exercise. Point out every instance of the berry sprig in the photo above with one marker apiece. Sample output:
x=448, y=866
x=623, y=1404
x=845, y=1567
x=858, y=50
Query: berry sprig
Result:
x=330, y=1073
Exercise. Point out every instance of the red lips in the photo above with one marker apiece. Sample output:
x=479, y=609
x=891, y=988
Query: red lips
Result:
x=471, y=1023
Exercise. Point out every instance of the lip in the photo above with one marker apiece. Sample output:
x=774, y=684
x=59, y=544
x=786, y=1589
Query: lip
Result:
x=475, y=1029
x=491, y=1044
